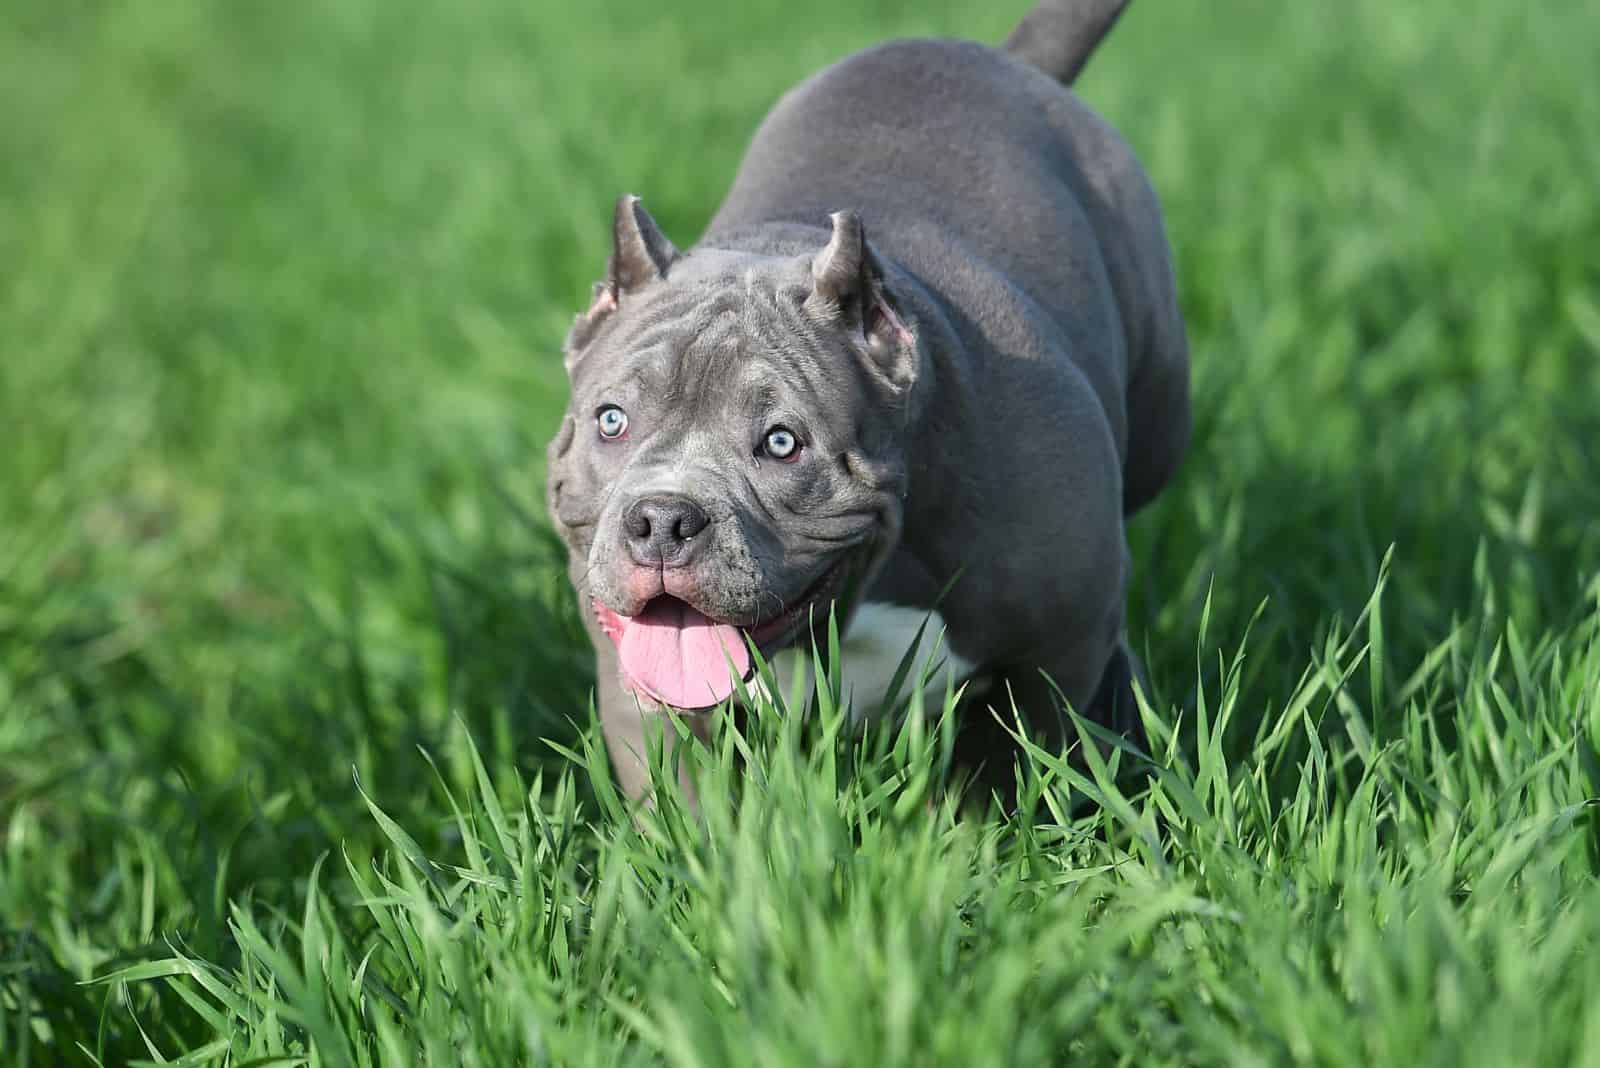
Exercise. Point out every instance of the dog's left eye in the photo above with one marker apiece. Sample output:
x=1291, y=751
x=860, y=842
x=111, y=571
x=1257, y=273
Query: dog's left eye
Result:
x=781, y=444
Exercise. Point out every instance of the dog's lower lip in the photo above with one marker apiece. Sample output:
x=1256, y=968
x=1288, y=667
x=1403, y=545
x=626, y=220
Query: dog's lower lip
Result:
x=772, y=633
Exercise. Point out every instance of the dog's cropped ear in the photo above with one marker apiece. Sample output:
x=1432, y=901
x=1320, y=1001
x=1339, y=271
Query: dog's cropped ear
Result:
x=640, y=254
x=848, y=290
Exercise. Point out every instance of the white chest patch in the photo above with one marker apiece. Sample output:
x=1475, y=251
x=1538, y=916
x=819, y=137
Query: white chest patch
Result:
x=871, y=650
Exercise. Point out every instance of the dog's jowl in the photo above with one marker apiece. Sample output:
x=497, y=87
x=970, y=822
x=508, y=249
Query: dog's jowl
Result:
x=927, y=357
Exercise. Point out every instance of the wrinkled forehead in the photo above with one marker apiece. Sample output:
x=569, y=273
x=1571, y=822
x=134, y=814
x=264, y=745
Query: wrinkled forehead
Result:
x=732, y=336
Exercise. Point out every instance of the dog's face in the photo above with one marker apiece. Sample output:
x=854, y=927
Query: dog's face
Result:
x=732, y=458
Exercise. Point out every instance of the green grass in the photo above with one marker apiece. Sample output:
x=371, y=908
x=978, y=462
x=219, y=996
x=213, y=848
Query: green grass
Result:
x=295, y=756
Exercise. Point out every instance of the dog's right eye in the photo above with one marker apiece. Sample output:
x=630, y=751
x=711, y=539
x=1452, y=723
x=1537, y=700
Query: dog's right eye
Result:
x=613, y=422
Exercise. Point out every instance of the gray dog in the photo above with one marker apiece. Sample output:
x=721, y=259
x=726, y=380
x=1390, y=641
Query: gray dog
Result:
x=923, y=363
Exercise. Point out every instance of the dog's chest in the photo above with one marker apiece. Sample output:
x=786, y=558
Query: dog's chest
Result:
x=871, y=651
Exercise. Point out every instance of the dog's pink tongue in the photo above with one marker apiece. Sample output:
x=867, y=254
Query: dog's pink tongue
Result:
x=679, y=657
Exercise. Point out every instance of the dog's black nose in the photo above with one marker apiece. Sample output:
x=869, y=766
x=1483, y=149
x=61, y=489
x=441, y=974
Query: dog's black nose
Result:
x=661, y=529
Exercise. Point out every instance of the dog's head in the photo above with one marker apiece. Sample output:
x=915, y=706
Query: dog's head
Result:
x=732, y=461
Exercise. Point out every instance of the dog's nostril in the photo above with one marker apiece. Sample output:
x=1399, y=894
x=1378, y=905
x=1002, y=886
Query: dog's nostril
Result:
x=691, y=522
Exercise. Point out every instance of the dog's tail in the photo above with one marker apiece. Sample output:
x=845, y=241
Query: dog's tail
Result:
x=1058, y=36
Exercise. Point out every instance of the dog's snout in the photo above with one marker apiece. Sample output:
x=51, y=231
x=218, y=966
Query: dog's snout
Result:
x=661, y=529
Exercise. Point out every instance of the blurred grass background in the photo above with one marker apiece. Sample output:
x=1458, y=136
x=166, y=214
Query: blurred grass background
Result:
x=281, y=295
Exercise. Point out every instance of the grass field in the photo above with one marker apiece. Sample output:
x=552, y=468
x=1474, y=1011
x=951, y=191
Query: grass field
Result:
x=295, y=764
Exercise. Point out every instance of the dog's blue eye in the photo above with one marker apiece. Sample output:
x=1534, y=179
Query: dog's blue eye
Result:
x=781, y=444
x=613, y=422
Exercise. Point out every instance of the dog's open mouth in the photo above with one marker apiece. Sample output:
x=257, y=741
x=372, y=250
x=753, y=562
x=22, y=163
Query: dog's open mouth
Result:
x=673, y=653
